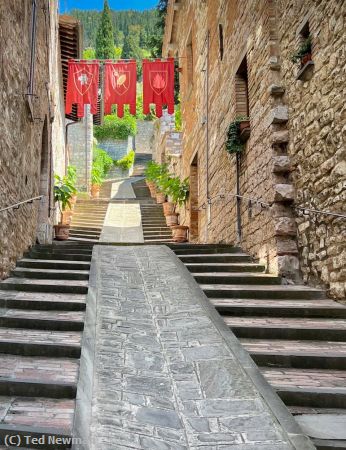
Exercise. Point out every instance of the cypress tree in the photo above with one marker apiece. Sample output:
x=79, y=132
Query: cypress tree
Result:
x=105, y=35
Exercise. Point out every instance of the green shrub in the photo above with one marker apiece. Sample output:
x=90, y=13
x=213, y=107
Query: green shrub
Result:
x=115, y=128
x=154, y=171
x=233, y=143
x=63, y=191
x=177, y=117
x=101, y=165
x=126, y=162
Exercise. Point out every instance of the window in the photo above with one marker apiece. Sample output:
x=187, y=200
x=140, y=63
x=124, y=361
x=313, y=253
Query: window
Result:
x=221, y=41
x=241, y=90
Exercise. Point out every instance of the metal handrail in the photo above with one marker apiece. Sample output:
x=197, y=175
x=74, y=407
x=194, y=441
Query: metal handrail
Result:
x=264, y=204
x=17, y=205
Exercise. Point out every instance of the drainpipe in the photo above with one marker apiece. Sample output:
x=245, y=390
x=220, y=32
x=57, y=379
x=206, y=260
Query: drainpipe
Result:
x=86, y=149
x=239, y=230
x=208, y=142
x=33, y=48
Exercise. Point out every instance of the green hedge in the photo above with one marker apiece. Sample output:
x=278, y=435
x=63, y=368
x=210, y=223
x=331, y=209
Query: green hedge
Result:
x=115, y=128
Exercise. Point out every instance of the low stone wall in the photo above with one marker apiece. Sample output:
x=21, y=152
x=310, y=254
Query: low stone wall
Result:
x=117, y=149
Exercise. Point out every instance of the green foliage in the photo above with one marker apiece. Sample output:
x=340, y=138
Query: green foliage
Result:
x=155, y=39
x=132, y=46
x=71, y=178
x=154, y=171
x=139, y=108
x=126, y=162
x=115, y=128
x=121, y=21
x=177, y=117
x=63, y=191
x=101, y=165
x=233, y=143
x=117, y=52
x=177, y=190
x=304, y=49
x=101, y=157
x=105, y=35
x=89, y=53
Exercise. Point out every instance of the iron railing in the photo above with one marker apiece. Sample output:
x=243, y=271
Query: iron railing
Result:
x=17, y=205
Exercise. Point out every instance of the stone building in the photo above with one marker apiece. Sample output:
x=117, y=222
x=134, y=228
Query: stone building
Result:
x=32, y=145
x=236, y=61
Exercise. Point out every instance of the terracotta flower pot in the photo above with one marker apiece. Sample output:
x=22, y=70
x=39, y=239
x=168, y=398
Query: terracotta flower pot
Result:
x=172, y=219
x=160, y=197
x=180, y=233
x=66, y=217
x=95, y=191
x=153, y=191
x=149, y=183
x=305, y=59
x=73, y=199
x=62, y=232
x=168, y=208
x=243, y=125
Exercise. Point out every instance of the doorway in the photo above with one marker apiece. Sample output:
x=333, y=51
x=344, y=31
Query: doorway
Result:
x=194, y=212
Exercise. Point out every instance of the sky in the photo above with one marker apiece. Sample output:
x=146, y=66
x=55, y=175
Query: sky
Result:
x=67, y=5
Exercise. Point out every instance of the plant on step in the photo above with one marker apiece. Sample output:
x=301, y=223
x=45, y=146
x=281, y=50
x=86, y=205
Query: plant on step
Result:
x=126, y=162
x=304, y=50
x=102, y=159
x=97, y=174
x=233, y=142
x=63, y=192
x=72, y=176
x=154, y=171
x=178, y=190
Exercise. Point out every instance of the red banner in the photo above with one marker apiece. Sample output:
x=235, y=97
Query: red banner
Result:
x=158, y=85
x=120, y=86
x=82, y=86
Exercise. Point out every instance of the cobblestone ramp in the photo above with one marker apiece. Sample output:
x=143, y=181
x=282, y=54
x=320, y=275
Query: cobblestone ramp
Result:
x=161, y=369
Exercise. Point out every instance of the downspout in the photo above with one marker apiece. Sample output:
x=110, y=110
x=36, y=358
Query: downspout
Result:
x=86, y=149
x=239, y=230
x=33, y=48
x=208, y=142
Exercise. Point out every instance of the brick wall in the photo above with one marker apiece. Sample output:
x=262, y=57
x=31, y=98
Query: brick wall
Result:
x=295, y=148
x=26, y=139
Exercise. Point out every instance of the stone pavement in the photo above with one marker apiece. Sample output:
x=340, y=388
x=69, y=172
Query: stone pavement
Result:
x=161, y=371
x=123, y=223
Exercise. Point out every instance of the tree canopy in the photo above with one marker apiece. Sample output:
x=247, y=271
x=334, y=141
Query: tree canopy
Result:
x=105, y=35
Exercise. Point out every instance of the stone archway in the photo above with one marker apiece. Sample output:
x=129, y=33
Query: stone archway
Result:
x=44, y=224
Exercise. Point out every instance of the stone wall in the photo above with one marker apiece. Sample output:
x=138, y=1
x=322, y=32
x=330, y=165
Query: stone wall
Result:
x=144, y=136
x=117, y=149
x=80, y=138
x=294, y=150
x=317, y=135
x=26, y=133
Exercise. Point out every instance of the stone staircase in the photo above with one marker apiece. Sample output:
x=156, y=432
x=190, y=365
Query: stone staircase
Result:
x=87, y=220
x=294, y=333
x=155, y=229
x=41, y=322
x=141, y=159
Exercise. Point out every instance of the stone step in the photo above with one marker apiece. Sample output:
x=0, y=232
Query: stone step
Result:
x=224, y=267
x=90, y=223
x=38, y=376
x=42, y=320
x=313, y=397
x=157, y=233
x=53, y=264
x=283, y=308
x=30, y=417
x=57, y=344
x=202, y=250
x=86, y=229
x=37, y=285
x=287, y=328
x=236, y=278
x=304, y=378
x=189, y=245
x=60, y=256
x=326, y=444
x=155, y=241
x=215, y=258
x=79, y=239
x=60, y=251
x=261, y=291
x=297, y=354
x=89, y=236
x=50, y=274
x=42, y=301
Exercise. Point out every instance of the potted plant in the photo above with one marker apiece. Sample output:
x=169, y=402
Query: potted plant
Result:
x=178, y=191
x=96, y=179
x=303, y=55
x=153, y=173
x=234, y=143
x=62, y=196
x=71, y=179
